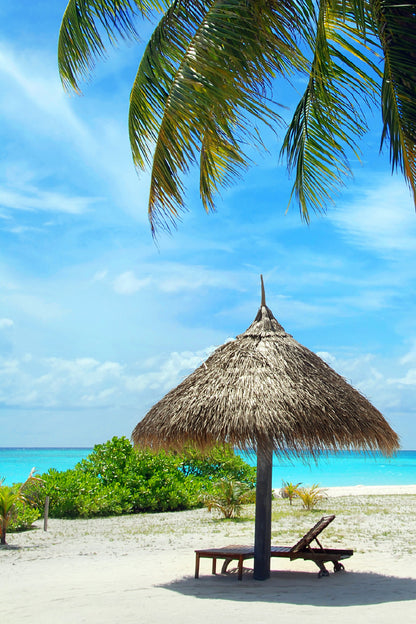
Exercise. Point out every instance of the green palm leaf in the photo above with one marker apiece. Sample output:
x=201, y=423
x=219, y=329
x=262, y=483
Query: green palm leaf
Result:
x=199, y=92
x=329, y=117
x=397, y=31
x=83, y=25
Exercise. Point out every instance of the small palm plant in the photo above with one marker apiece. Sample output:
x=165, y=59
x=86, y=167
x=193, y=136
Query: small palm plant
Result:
x=310, y=497
x=289, y=490
x=9, y=497
x=228, y=497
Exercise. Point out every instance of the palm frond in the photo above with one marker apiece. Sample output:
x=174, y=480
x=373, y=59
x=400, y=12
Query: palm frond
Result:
x=199, y=91
x=87, y=26
x=397, y=31
x=329, y=117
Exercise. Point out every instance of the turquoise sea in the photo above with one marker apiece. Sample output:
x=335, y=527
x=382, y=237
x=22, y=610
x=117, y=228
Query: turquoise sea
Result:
x=16, y=463
x=345, y=468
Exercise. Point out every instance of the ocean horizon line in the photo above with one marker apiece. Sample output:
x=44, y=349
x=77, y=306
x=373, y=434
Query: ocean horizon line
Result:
x=45, y=448
x=324, y=452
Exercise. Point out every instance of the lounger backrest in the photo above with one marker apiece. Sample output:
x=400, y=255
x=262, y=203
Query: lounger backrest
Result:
x=312, y=534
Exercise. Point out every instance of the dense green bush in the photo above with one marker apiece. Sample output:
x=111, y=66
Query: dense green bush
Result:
x=75, y=494
x=118, y=479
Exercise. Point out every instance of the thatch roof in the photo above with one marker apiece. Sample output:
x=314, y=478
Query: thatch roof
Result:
x=265, y=388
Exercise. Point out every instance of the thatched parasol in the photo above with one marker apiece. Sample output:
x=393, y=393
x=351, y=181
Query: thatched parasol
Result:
x=265, y=392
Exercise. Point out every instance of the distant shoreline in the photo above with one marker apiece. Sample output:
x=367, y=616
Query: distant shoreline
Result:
x=369, y=490
x=69, y=448
x=46, y=448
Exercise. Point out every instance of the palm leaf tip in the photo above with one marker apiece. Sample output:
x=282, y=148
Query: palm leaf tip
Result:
x=87, y=27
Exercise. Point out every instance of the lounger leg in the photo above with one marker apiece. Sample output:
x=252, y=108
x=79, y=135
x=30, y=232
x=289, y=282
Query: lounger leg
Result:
x=338, y=566
x=225, y=565
x=240, y=568
x=197, y=566
x=322, y=569
x=214, y=565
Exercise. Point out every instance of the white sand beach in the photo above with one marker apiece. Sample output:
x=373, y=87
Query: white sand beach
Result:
x=141, y=568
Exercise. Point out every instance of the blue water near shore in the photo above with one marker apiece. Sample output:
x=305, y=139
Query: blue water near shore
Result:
x=345, y=469
x=16, y=463
x=341, y=469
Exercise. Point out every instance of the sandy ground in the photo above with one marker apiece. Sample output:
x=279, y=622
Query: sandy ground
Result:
x=141, y=568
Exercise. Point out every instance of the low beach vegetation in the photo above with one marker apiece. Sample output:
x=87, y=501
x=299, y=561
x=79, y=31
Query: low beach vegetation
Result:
x=228, y=497
x=289, y=490
x=118, y=479
x=311, y=496
x=17, y=511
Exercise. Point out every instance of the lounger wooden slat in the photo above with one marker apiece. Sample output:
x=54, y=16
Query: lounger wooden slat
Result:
x=301, y=550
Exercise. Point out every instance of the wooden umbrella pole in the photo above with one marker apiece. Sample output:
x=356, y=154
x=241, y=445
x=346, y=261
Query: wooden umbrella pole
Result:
x=263, y=522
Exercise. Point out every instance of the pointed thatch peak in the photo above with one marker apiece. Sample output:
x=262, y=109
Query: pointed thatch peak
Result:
x=264, y=323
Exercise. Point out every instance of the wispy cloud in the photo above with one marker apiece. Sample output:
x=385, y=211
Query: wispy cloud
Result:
x=5, y=323
x=128, y=284
x=34, y=103
x=42, y=308
x=35, y=79
x=34, y=199
x=379, y=217
x=176, y=277
x=389, y=384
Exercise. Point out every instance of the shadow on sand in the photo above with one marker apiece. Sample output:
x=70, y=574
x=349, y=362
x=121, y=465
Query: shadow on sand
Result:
x=300, y=588
x=9, y=547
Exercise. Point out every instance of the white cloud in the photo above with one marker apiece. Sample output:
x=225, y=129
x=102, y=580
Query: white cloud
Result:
x=36, y=79
x=33, y=199
x=128, y=284
x=174, y=277
x=382, y=382
x=86, y=382
x=380, y=217
x=33, y=102
x=168, y=372
x=410, y=356
x=5, y=322
x=409, y=378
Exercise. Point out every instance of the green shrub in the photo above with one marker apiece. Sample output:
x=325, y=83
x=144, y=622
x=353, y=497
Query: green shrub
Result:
x=74, y=494
x=228, y=497
x=116, y=479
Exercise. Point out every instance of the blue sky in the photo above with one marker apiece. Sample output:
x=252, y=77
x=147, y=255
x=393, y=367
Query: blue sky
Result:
x=97, y=322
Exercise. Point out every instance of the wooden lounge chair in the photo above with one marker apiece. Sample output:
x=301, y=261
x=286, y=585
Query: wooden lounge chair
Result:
x=301, y=550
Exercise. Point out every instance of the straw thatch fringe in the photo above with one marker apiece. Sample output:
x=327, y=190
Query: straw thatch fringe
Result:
x=263, y=389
